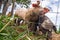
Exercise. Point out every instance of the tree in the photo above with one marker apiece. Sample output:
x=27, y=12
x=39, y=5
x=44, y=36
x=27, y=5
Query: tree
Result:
x=0, y=3
x=6, y=4
x=13, y=7
x=25, y=2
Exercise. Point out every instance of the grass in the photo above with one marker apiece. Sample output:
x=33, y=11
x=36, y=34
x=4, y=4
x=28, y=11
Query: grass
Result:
x=11, y=32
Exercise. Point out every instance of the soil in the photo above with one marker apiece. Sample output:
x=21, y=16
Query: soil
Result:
x=55, y=36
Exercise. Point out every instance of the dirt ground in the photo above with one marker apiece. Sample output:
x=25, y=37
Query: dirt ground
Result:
x=55, y=36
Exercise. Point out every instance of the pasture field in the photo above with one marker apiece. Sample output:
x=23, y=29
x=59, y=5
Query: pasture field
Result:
x=9, y=31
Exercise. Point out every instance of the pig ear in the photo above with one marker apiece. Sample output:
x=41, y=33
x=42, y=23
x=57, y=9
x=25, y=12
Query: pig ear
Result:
x=46, y=10
x=34, y=5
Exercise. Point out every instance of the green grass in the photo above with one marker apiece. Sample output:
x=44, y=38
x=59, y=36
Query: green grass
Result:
x=11, y=32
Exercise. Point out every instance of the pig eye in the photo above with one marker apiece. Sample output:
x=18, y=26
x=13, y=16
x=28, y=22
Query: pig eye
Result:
x=33, y=14
x=30, y=14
